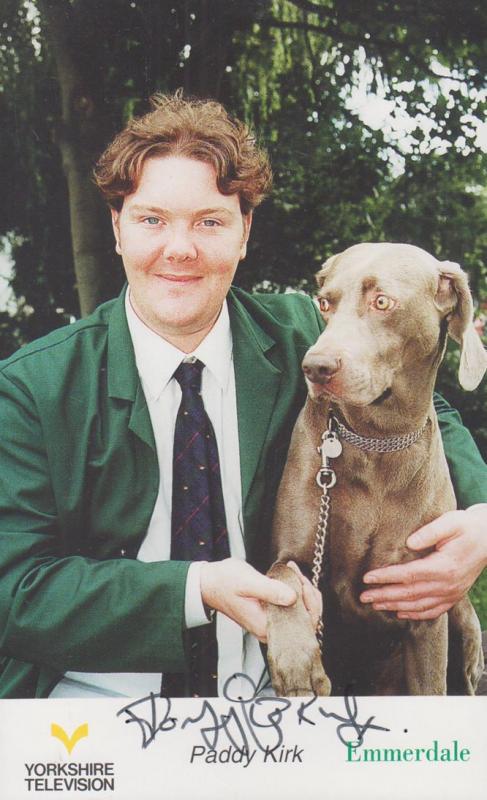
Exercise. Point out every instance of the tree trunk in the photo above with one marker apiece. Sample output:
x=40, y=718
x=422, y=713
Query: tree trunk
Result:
x=211, y=38
x=75, y=135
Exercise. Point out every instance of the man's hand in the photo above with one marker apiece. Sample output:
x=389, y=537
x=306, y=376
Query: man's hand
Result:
x=238, y=590
x=312, y=598
x=429, y=586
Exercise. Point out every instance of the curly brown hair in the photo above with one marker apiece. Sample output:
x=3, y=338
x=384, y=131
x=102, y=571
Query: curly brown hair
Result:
x=193, y=128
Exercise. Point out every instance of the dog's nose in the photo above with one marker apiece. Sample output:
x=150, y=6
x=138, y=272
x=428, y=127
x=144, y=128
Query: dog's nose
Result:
x=320, y=368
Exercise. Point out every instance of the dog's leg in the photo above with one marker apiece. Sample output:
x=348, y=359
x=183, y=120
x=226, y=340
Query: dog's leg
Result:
x=465, y=656
x=293, y=652
x=425, y=656
x=292, y=648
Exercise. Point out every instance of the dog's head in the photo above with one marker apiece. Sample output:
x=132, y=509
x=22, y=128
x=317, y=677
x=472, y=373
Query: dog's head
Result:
x=388, y=309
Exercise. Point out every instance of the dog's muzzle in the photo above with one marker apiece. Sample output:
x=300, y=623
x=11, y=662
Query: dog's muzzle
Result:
x=320, y=368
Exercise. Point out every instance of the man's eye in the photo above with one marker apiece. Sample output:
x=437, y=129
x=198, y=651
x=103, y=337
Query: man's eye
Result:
x=210, y=223
x=383, y=303
x=324, y=304
x=152, y=220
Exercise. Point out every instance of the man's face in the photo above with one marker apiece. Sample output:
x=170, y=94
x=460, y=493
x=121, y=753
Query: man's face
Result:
x=180, y=240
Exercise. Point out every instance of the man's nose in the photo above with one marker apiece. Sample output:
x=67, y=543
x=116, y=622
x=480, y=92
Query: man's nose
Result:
x=319, y=368
x=179, y=244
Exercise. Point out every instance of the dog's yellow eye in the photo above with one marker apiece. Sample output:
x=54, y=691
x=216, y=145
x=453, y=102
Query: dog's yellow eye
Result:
x=383, y=303
x=324, y=304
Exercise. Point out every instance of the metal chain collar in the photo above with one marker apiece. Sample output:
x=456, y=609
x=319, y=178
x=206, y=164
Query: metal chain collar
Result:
x=389, y=444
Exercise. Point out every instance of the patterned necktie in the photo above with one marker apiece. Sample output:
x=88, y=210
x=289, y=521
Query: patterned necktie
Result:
x=198, y=524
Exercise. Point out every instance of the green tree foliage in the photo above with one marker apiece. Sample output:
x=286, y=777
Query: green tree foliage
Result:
x=334, y=184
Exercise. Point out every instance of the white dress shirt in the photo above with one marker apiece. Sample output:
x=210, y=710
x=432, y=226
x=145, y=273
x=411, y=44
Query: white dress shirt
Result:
x=156, y=361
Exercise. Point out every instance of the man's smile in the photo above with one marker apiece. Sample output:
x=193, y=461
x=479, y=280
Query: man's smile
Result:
x=179, y=278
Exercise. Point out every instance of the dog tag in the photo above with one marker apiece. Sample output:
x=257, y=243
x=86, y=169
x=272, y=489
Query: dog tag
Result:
x=331, y=446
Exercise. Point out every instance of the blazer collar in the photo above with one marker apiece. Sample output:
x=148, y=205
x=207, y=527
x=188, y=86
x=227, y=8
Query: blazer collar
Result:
x=122, y=373
x=123, y=379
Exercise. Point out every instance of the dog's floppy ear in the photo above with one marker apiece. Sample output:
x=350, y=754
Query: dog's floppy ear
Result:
x=325, y=268
x=454, y=299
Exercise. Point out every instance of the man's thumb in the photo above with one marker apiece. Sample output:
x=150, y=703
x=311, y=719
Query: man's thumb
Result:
x=434, y=532
x=278, y=593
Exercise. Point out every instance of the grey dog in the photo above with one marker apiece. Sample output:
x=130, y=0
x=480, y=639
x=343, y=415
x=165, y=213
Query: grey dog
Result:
x=388, y=309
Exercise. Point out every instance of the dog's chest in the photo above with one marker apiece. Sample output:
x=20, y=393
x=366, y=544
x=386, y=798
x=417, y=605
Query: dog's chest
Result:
x=377, y=502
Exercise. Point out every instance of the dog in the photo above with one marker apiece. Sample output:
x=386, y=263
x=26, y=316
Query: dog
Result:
x=388, y=310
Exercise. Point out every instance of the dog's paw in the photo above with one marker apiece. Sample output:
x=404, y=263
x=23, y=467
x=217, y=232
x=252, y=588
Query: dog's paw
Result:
x=474, y=665
x=467, y=636
x=296, y=670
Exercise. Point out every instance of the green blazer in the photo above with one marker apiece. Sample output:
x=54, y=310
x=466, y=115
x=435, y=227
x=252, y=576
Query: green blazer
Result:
x=79, y=479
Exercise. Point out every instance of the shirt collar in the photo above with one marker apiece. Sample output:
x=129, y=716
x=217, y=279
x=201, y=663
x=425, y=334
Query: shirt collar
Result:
x=157, y=359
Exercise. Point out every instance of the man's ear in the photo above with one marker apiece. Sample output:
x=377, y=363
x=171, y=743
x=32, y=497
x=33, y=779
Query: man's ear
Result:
x=454, y=300
x=325, y=269
x=247, y=223
x=116, y=230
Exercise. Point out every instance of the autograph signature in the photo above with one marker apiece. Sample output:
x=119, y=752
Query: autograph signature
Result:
x=248, y=720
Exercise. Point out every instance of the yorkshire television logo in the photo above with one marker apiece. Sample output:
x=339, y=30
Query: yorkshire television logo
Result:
x=69, y=741
x=66, y=776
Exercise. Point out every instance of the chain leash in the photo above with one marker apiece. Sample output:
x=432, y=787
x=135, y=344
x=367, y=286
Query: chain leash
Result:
x=326, y=478
x=319, y=550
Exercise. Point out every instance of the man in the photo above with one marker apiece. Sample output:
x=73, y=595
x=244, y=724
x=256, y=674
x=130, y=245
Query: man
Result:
x=95, y=596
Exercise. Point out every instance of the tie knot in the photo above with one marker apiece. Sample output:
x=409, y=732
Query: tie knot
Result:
x=188, y=374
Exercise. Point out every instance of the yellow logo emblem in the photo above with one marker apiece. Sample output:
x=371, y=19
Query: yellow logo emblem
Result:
x=69, y=742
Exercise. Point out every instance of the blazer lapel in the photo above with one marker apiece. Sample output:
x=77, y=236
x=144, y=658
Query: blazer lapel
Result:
x=123, y=381
x=257, y=382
